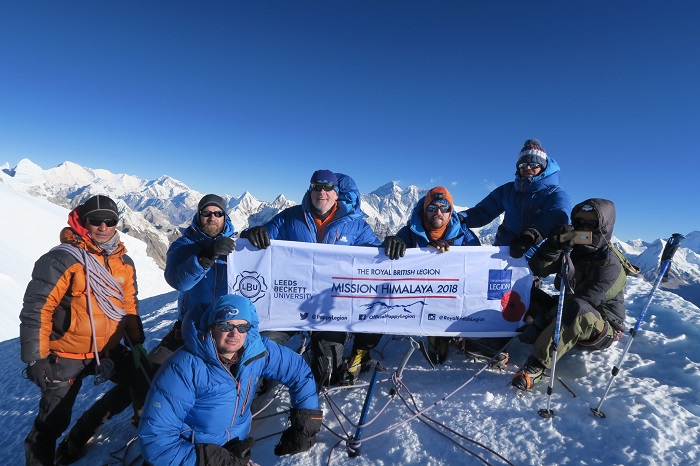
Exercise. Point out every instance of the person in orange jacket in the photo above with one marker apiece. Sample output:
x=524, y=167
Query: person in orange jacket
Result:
x=79, y=304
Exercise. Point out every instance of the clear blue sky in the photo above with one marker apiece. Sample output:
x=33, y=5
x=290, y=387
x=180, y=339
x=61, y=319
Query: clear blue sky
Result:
x=233, y=96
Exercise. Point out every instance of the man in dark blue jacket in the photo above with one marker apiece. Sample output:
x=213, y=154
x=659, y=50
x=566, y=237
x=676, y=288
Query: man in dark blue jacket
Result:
x=435, y=224
x=330, y=214
x=533, y=200
x=198, y=408
x=532, y=205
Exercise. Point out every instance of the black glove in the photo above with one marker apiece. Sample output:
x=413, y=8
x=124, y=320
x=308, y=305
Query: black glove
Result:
x=524, y=241
x=258, y=236
x=220, y=246
x=394, y=247
x=301, y=435
x=232, y=453
x=40, y=372
x=240, y=449
x=561, y=237
x=440, y=244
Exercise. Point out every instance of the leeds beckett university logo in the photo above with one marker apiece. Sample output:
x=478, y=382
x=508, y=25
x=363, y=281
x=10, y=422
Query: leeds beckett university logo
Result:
x=250, y=285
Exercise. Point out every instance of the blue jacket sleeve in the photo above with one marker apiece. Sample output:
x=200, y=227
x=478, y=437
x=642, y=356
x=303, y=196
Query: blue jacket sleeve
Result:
x=290, y=369
x=366, y=236
x=161, y=426
x=182, y=269
x=487, y=209
x=557, y=212
x=405, y=235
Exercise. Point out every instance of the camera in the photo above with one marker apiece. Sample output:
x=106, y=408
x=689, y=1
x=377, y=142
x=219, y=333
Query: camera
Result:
x=583, y=237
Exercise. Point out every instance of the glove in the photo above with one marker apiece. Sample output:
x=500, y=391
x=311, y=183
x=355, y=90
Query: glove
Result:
x=524, y=241
x=394, y=247
x=104, y=370
x=562, y=237
x=258, y=237
x=232, y=453
x=220, y=246
x=140, y=355
x=301, y=435
x=240, y=449
x=39, y=372
x=440, y=245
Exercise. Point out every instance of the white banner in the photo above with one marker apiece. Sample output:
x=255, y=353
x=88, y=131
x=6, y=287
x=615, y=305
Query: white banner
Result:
x=468, y=291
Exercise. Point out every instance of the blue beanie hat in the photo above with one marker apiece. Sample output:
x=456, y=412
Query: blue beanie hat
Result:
x=232, y=307
x=324, y=176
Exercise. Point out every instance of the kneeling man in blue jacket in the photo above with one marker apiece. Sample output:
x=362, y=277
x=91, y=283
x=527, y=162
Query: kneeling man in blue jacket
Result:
x=198, y=407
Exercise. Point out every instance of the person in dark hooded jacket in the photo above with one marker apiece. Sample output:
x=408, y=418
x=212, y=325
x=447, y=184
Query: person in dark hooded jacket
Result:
x=593, y=313
x=329, y=213
x=198, y=409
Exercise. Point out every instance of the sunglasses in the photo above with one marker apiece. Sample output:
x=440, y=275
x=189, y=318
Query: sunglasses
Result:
x=533, y=166
x=322, y=186
x=96, y=221
x=434, y=207
x=228, y=327
x=209, y=213
x=585, y=225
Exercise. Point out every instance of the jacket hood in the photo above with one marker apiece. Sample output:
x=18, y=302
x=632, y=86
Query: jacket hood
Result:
x=605, y=210
x=349, y=199
x=549, y=177
x=197, y=335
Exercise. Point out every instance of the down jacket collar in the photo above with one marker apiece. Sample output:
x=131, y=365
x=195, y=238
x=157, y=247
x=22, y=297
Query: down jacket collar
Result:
x=548, y=178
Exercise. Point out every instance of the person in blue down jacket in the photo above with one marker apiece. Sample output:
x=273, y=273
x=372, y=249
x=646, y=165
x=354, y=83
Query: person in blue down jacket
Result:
x=435, y=224
x=533, y=201
x=198, y=408
x=195, y=263
x=330, y=214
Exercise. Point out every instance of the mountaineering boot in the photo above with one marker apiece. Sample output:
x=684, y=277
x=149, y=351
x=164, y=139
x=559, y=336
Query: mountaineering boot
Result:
x=438, y=348
x=529, y=375
x=67, y=452
x=354, y=363
x=482, y=350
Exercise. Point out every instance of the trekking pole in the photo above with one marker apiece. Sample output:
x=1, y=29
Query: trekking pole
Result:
x=546, y=412
x=666, y=257
x=353, y=444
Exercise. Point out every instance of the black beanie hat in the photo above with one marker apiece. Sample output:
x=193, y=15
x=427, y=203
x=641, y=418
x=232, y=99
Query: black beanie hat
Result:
x=212, y=199
x=99, y=206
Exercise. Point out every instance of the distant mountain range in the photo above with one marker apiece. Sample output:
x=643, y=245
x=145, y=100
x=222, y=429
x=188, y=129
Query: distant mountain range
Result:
x=156, y=211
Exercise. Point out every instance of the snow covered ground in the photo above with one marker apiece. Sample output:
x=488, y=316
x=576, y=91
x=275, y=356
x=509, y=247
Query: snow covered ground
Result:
x=653, y=407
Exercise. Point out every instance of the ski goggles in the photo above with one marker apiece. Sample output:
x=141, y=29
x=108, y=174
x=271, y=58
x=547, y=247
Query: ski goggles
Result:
x=228, y=327
x=328, y=186
x=531, y=165
x=97, y=221
x=209, y=213
x=583, y=224
x=434, y=207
